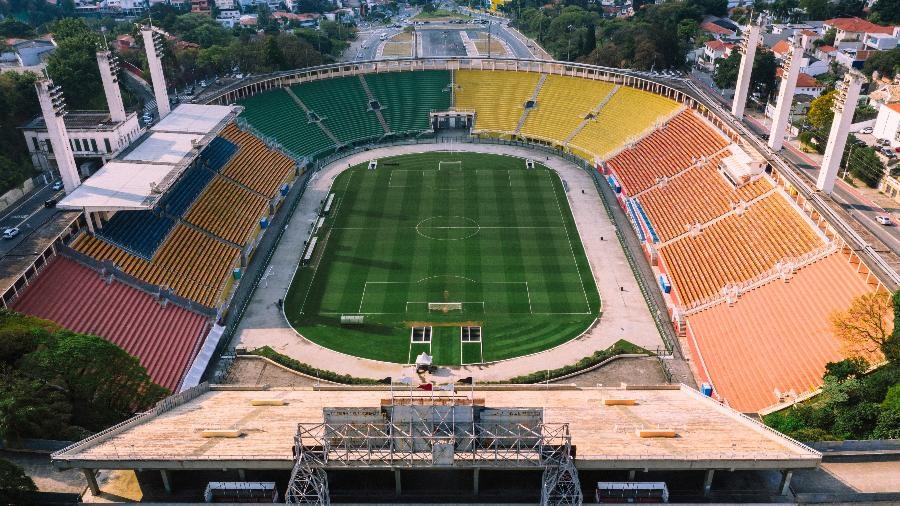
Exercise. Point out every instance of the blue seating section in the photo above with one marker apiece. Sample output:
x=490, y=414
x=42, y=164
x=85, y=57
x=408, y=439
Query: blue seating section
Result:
x=186, y=189
x=217, y=153
x=138, y=232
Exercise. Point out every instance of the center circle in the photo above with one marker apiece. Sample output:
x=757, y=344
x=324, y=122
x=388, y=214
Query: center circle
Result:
x=447, y=228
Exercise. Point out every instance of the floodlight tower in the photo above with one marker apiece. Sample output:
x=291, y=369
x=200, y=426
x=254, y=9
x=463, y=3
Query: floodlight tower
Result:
x=53, y=108
x=790, y=71
x=749, y=42
x=109, y=73
x=153, y=44
x=843, y=107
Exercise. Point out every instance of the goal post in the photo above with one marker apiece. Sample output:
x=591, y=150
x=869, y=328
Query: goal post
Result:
x=445, y=307
x=450, y=165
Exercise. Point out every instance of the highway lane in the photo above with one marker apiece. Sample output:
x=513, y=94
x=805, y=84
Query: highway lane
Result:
x=29, y=215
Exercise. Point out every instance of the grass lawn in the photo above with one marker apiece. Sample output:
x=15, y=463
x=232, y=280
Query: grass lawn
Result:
x=482, y=231
x=439, y=15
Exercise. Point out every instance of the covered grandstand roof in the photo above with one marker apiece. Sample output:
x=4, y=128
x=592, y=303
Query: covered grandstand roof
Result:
x=709, y=434
x=141, y=174
x=165, y=338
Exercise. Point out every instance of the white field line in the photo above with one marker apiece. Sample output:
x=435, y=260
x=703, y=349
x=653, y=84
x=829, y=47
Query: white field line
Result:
x=571, y=249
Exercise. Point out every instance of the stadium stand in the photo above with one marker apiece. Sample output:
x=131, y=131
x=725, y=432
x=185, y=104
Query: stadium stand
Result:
x=344, y=107
x=217, y=153
x=228, y=211
x=736, y=248
x=665, y=152
x=290, y=126
x=256, y=166
x=191, y=263
x=138, y=232
x=697, y=195
x=776, y=336
x=407, y=98
x=164, y=338
x=498, y=97
x=183, y=193
x=627, y=115
x=561, y=106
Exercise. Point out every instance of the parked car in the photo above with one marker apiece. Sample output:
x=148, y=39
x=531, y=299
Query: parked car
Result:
x=888, y=152
x=9, y=233
x=57, y=186
x=866, y=130
x=884, y=219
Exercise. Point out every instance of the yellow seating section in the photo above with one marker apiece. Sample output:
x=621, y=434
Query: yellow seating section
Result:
x=256, y=166
x=737, y=248
x=228, y=211
x=561, y=106
x=498, y=97
x=697, y=195
x=189, y=262
x=628, y=114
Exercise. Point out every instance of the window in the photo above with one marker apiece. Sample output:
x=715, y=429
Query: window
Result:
x=77, y=144
x=37, y=144
x=94, y=145
x=108, y=147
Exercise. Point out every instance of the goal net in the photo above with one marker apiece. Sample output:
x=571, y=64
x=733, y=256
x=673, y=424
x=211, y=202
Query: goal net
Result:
x=457, y=165
x=445, y=307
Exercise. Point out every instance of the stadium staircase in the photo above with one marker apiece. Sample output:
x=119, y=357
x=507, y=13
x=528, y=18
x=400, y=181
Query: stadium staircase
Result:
x=290, y=126
x=593, y=114
x=342, y=104
x=371, y=98
x=532, y=99
x=306, y=111
x=407, y=98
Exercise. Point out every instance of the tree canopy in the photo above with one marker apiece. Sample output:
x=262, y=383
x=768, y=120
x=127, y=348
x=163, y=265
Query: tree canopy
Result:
x=15, y=485
x=73, y=65
x=886, y=12
x=886, y=63
x=58, y=384
x=762, y=77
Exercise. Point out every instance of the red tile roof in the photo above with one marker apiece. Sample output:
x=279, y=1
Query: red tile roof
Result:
x=711, y=27
x=858, y=25
x=803, y=80
x=827, y=49
x=717, y=45
x=781, y=47
x=894, y=107
x=809, y=33
x=164, y=339
x=776, y=336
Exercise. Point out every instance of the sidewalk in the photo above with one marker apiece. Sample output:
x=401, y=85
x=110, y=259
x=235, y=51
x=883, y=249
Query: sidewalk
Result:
x=624, y=312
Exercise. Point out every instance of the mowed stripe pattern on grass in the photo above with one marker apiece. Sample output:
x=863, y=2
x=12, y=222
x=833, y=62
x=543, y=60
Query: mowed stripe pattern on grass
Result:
x=489, y=233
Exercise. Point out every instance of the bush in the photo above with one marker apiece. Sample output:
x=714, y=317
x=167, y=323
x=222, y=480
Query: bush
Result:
x=15, y=486
x=309, y=370
x=619, y=348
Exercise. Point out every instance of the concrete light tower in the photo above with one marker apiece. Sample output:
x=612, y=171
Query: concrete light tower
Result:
x=53, y=108
x=154, y=47
x=844, y=107
x=748, y=45
x=109, y=73
x=790, y=71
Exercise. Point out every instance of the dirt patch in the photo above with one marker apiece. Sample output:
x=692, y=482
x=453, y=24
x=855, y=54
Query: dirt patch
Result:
x=633, y=371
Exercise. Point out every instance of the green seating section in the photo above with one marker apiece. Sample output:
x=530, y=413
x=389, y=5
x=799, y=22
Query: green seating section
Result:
x=407, y=98
x=275, y=114
x=344, y=105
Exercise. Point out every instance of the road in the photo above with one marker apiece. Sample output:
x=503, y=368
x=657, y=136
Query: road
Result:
x=28, y=215
x=856, y=205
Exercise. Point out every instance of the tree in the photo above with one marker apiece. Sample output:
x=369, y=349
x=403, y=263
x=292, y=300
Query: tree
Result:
x=829, y=36
x=820, y=115
x=865, y=165
x=847, y=368
x=15, y=486
x=886, y=12
x=30, y=407
x=73, y=65
x=274, y=56
x=886, y=63
x=816, y=9
x=762, y=77
x=863, y=327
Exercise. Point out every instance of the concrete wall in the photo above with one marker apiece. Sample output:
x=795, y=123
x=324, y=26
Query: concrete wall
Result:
x=9, y=198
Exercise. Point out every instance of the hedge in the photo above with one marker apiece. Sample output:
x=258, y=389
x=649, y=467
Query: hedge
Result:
x=309, y=370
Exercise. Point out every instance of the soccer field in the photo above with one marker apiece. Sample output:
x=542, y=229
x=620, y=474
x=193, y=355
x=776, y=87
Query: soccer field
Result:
x=470, y=257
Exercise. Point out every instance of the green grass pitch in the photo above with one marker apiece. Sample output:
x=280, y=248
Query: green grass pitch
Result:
x=485, y=232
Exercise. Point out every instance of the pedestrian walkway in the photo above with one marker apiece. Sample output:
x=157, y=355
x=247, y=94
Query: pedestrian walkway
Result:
x=624, y=311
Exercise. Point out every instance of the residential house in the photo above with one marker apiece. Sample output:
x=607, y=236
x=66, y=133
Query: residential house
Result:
x=854, y=29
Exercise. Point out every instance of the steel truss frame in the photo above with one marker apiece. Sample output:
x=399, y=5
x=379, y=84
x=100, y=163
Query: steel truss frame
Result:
x=430, y=436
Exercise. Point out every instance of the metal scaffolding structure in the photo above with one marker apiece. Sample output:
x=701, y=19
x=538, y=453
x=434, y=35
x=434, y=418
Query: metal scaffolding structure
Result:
x=437, y=433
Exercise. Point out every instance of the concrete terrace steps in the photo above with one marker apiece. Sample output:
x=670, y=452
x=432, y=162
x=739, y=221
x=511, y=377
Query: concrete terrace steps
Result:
x=305, y=109
x=365, y=85
x=594, y=112
x=533, y=98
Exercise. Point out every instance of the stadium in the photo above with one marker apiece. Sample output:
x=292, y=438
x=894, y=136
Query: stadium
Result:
x=502, y=216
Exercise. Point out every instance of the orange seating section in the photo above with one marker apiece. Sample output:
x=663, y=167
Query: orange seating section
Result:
x=737, y=248
x=255, y=165
x=697, y=195
x=228, y=211
x=191, y=263
x=776, y=336
x=665, y=152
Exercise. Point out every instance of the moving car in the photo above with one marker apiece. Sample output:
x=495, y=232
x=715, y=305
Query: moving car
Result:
x=50, y=203
x=884, y=219
x=9, y=233
x=57, y=186
x=866, y=130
